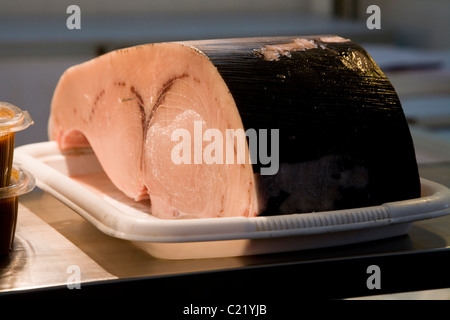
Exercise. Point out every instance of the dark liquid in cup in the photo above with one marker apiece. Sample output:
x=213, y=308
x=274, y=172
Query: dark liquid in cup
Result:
x=6, y=158
x=8, y=220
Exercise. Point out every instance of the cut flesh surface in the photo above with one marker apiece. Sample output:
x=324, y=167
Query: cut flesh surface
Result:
x=126, y=105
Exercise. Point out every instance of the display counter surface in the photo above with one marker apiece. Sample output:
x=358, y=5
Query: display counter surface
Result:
x=57, y=253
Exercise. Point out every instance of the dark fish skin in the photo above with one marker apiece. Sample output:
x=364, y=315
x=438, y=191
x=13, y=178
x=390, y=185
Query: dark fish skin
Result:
x=329, y=102
x=329, y=183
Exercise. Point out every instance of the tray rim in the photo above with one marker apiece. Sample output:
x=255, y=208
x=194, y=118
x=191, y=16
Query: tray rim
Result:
x=114, y=222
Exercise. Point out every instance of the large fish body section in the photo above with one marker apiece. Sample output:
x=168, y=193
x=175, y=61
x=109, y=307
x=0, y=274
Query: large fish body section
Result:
x=343, y=140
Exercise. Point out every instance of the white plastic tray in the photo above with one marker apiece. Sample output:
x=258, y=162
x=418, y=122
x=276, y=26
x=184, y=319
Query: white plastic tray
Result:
x=79, y=181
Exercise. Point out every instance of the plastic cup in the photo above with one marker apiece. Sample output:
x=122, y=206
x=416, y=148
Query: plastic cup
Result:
x=12, y=119
x=21, y=182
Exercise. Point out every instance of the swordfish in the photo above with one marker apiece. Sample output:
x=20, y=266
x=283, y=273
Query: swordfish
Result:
x=344, y=141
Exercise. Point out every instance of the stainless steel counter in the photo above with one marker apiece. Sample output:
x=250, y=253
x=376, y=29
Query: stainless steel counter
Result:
x=55, y=248
x=43, y=257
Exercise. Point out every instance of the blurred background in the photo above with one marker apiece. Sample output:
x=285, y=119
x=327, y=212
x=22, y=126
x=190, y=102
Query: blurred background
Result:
x=412, y=46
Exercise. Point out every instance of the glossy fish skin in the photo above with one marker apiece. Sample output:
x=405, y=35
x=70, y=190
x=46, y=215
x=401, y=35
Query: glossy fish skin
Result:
x=335, y=108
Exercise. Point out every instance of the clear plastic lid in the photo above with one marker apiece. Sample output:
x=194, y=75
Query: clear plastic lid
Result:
x=21, y=182
x=13, y=119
